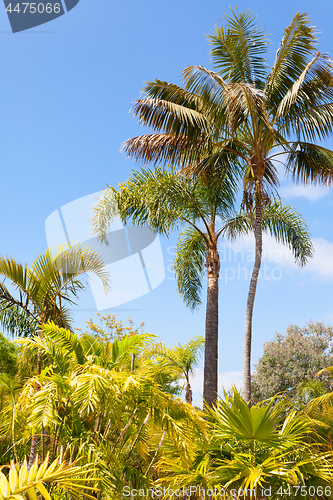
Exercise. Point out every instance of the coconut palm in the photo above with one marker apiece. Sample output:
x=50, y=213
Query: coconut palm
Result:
x=248, y=111
x=204, y=210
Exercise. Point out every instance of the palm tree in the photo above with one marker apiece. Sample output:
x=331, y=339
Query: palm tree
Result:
x=182, y=359
x=41, y=292
x=247, y=111
x=164, y=200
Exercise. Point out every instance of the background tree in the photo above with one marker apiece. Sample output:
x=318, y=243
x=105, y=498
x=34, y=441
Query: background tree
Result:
x=291, y=359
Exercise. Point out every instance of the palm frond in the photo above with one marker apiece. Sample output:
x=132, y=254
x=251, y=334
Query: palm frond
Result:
x=131, y=344
x=287, y=226
x=22, y=484
x=191, y=254
x=238, y=226
x=105, y=211
x=169, y=92
x=238, y=48
x=310, y=163
x=171, y=117
x=296, y=50
x=244, y=102
x=163, y=199
x=293, y=93
x=162, y=149
x=15, y=320
x=66, y=340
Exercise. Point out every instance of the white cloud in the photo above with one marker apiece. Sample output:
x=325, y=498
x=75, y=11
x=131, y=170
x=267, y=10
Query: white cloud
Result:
x=243, y=250
x=278, y=255
x=322, y=262
x=311, y=193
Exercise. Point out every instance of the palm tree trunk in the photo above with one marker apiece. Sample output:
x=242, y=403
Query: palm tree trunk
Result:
x=188, y=393
x=33, y=451
x=33, y=447
x=155, y=454
x=121, y=435
x=132, y=363
x=251, y=297
x=144, y=423
x=98, y=416
x=211, y=333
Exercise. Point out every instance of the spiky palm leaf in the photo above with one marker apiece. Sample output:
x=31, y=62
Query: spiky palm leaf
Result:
x=251, y=449
x=68, y=479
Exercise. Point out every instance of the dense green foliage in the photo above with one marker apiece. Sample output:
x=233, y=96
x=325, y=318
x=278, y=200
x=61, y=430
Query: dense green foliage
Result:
x=130, y=433
x=8, y=356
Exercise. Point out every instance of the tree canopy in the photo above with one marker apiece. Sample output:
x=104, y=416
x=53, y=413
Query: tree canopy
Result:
x=289, y=360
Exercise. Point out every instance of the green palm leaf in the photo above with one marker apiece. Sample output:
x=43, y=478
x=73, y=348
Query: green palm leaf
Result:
x=238, y=48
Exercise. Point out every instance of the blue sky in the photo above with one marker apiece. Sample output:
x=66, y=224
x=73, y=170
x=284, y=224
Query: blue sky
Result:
x=65, y=95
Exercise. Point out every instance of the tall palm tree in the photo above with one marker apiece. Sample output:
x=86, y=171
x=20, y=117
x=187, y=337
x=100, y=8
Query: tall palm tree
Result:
x=248, y=111
x=164, y=200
